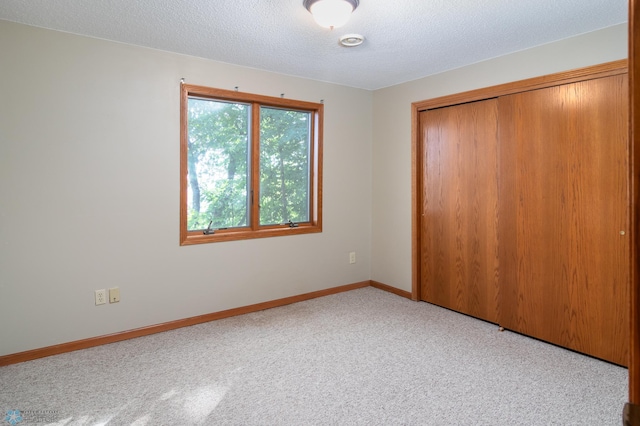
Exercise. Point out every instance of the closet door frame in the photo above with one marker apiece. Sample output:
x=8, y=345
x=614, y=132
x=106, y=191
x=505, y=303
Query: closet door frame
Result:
x=631, y=413
x=417, y=154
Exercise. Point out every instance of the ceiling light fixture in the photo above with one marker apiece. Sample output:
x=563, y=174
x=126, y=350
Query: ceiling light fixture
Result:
x=331, y=13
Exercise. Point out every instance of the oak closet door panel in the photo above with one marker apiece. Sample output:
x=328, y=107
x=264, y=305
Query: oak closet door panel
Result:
x=564, y=204
x=459, y=252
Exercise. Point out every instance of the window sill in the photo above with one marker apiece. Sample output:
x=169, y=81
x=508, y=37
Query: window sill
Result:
x=192, y=238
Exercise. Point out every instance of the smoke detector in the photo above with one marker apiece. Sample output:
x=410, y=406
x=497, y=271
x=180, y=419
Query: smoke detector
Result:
x=351, y=40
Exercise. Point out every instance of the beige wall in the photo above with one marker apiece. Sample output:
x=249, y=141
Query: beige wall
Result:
x=89, y=179
x=89, y=190
x=391, y=230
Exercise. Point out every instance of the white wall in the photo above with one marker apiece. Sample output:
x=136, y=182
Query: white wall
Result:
x=89, y=190
x=89, y=183
x=391, y=208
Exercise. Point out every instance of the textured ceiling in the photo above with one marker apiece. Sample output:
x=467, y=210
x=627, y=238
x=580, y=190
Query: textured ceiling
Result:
x=405, y=39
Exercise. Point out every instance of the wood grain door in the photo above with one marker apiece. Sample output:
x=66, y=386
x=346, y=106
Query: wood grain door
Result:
x=564, y=245
x=459, y=248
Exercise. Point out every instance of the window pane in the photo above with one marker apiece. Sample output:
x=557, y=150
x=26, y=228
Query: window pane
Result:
x=217, y=160
x=285, y=138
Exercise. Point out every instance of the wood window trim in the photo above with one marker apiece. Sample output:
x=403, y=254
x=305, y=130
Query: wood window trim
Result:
x=254, y=230
x=580, y=74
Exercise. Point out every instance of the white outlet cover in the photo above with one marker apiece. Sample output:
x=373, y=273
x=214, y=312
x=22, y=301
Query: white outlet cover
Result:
x=101, y=297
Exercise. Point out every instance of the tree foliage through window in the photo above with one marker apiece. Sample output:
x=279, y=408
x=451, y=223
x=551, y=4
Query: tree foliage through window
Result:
x=284, y=166
x=218, y=155
x=250, y=166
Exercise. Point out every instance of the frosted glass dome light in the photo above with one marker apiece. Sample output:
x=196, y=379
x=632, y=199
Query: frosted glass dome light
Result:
x=331, y=13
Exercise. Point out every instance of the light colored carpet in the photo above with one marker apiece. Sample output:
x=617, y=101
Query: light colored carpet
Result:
x=364, y=357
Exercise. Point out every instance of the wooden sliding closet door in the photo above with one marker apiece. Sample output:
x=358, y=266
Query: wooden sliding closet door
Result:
x=564, y=242
x=459, y=248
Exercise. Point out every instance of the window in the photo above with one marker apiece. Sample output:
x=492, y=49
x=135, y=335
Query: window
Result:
x=250, y=166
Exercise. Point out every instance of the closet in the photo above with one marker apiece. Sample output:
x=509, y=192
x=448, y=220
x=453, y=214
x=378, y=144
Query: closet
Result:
x=523, y=207
x=459, y=226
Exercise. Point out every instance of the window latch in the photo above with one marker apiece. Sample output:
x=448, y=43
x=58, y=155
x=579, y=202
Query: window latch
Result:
x=209, y=231
x=292, y=225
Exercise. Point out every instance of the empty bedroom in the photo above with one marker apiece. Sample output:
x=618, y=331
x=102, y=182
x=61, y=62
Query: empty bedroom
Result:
x=313, y=212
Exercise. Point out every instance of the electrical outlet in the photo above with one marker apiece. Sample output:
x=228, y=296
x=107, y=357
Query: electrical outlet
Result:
x=101, y=297
x=114, y=295
x=352, y=257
